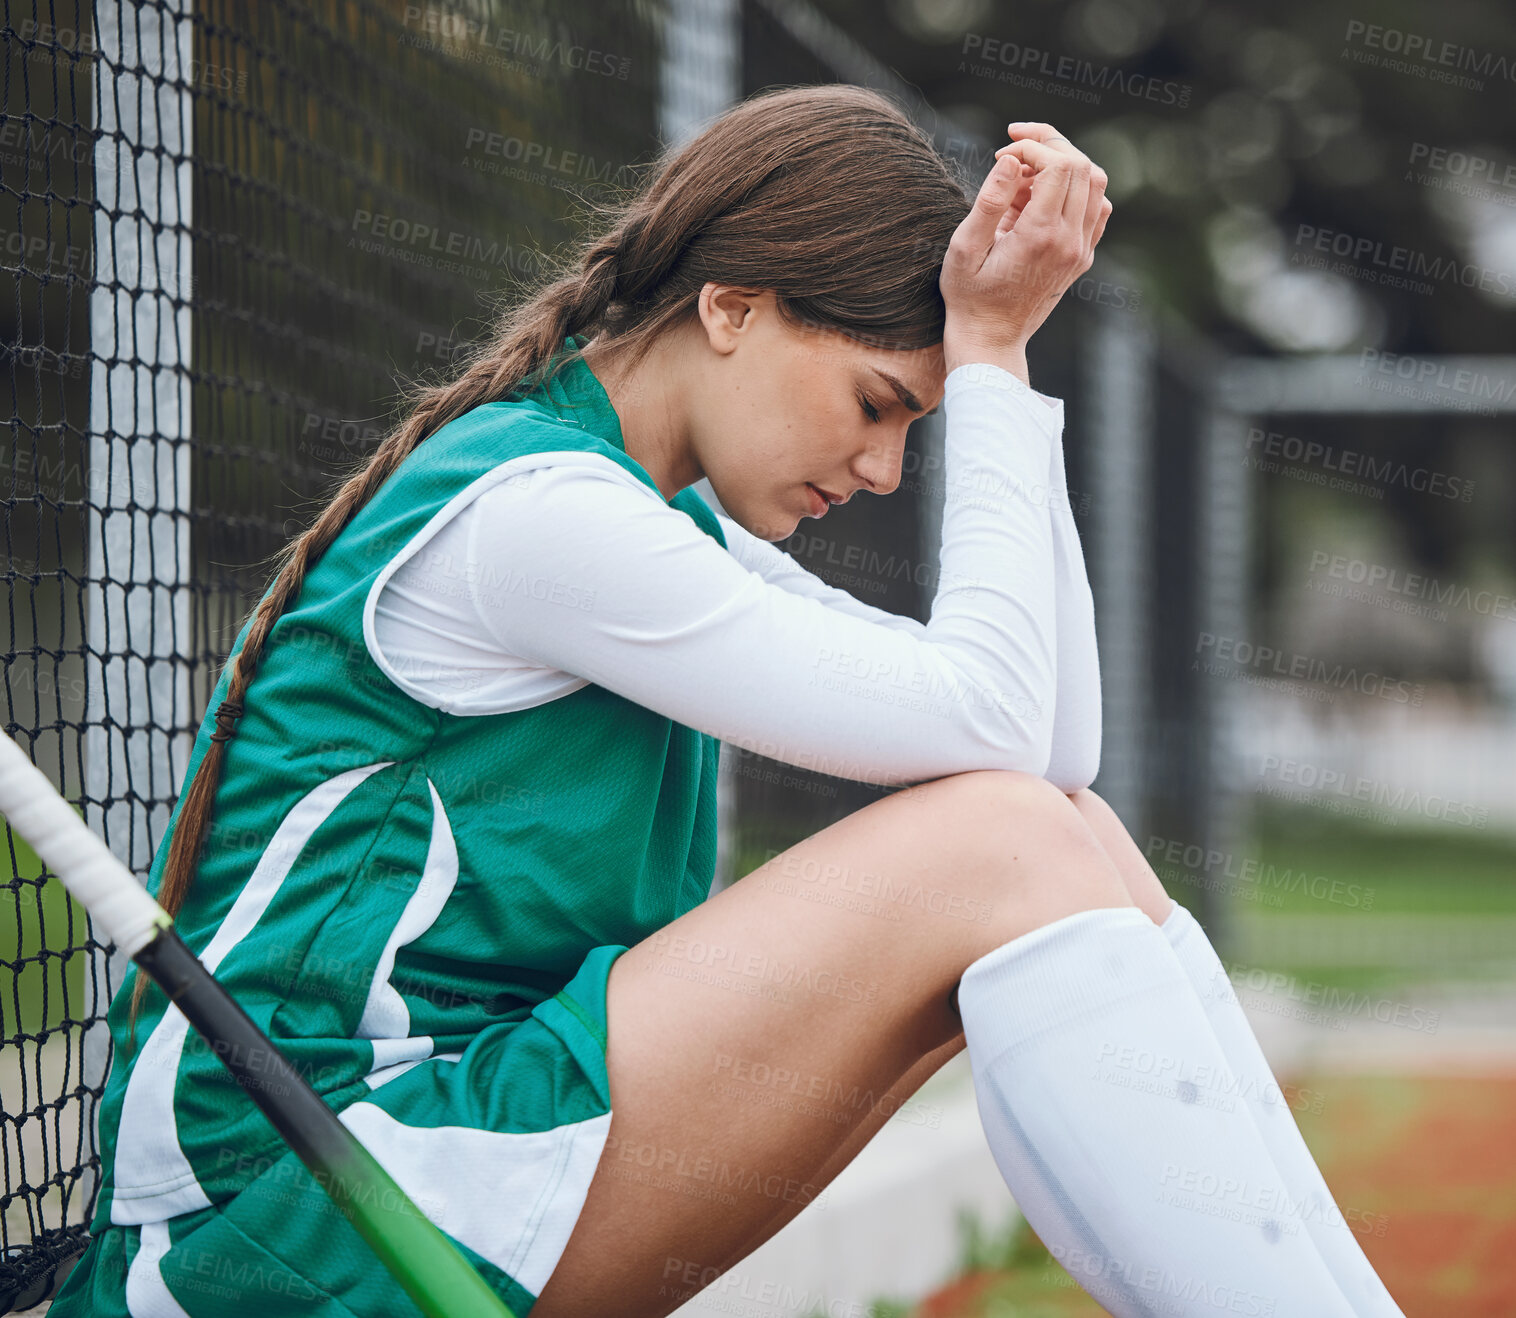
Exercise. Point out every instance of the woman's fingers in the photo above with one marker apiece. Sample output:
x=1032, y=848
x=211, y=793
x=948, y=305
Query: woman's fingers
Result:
x=976, y=234
x=1037, y=143
x=1094, y=219
x=1105, y=214
x=1050, y=137
x=1018, y=202
x=1038, y=132
x=1056, y=172
x=1027, y=237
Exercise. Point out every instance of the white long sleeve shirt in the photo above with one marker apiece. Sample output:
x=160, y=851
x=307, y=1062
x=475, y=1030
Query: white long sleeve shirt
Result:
x=577, y=572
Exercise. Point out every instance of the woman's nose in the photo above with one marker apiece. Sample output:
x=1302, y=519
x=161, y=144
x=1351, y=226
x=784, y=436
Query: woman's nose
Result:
x=879, y=466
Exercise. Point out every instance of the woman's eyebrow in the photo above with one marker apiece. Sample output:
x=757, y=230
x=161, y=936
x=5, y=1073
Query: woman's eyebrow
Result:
x=901, y=392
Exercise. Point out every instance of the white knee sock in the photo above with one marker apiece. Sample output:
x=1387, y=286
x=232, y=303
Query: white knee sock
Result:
x=1307, y=1189
x=1111, y=1113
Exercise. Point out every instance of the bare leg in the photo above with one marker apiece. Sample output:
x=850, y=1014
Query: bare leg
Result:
x=839, y=995
x=1144, y=886
x=1146, y=891
x=859, y=1136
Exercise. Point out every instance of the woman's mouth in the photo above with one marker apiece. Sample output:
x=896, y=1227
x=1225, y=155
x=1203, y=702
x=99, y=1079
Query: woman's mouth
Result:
x=819, y=502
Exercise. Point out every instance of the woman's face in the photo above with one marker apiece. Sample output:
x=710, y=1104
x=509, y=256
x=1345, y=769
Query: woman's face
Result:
x=774, y=410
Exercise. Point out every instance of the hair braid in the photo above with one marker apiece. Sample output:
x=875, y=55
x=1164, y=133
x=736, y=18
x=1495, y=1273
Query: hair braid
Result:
x=827, y=195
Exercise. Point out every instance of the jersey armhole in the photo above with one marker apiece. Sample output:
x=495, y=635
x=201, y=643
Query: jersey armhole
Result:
x=517, y=468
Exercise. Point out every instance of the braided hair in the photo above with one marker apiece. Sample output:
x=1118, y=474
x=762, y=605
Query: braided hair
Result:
x=829, y=196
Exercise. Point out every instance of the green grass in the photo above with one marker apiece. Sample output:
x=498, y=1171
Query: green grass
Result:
x=1031, y=1275
x=1382, y=871
x=1025, y=1280
x=1010, y=1246
x=38, y=990
x=1448, y=871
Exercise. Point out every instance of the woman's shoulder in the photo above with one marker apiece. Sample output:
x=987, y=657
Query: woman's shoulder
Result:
x=587, y=487
x=518, y=430
x=526, y=420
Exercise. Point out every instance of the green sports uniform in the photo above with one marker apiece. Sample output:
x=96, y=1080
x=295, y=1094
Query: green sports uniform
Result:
x=420, y=908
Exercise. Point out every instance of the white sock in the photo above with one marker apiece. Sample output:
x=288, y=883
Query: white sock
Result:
x=1104, y=1097
x=1333, y=1235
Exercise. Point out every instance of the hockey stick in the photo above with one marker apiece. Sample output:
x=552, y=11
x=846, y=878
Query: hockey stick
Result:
x=425, y=1262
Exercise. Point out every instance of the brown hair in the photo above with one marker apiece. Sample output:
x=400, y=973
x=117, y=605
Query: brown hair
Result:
x=829, y=196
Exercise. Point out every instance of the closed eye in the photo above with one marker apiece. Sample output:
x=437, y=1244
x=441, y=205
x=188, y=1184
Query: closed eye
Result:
x=869, y=409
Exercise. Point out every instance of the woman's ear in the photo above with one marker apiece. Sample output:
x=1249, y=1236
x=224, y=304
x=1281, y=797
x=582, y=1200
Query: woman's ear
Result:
x=727, y=312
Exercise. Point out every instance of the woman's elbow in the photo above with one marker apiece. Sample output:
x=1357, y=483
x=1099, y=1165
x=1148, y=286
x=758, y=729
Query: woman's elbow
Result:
x=1027, y=746
x=1071, y=773
x=1069, y=780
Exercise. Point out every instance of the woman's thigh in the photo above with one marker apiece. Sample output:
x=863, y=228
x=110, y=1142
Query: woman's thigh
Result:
x=898, y=1097
x=1146, y=891
x=750, y=1038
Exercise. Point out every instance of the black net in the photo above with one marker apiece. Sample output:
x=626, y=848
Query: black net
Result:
x=231, y=230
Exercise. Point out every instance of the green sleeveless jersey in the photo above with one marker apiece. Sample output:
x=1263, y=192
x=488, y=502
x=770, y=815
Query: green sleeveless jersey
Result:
x=383, y=880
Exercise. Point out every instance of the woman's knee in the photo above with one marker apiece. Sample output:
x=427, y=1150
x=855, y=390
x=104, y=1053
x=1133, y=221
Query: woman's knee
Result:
x=990, y=805
x=1017, y=826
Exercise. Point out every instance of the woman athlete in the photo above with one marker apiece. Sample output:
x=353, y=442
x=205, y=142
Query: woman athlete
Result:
x=449, y=830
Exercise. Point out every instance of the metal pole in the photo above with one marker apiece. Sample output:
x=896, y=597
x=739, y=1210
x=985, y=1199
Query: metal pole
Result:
x=1118, y=367
x=137, y=634
x=1225, y=546
x=700, y=76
